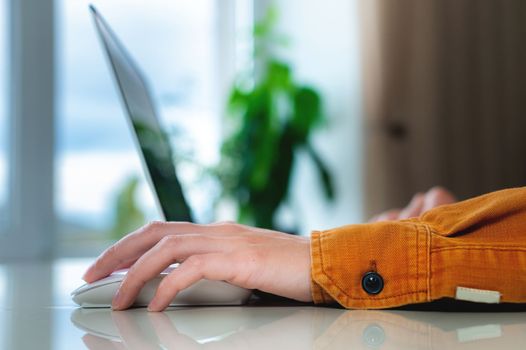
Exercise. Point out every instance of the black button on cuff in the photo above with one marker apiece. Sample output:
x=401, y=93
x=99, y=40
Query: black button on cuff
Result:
x=372, y=283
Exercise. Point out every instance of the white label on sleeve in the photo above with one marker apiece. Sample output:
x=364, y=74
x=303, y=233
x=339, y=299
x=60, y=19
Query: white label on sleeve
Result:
x=478, y=295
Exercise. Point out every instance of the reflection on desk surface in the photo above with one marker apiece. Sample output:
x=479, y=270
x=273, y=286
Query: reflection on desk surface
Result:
x=298, y=328
x=36, y=312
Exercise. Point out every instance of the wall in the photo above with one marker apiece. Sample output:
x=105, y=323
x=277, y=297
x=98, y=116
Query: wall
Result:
x=445, y=97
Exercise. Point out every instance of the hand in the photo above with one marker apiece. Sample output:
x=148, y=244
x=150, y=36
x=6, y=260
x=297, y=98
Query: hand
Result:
x=248, y=257
x=420, y=203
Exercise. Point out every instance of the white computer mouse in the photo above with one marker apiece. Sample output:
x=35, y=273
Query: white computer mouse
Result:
x=205, y=292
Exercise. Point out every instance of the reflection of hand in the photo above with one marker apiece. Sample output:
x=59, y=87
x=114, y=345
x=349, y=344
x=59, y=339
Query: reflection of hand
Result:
x=133, y=334
x=248, y=257
x=156, y=333
x=420, y=203
x=93, y=342
x=138, y=330
x=169, y=337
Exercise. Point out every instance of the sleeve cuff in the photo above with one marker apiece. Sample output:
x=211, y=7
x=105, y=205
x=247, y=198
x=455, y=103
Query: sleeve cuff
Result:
x=398, y=251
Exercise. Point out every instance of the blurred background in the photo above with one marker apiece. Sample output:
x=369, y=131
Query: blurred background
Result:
x=353, y=105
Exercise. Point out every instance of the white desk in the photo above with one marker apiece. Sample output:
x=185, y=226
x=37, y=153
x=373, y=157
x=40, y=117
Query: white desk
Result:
x=37, y=313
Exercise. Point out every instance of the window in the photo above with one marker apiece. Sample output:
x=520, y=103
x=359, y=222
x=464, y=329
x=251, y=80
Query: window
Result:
x=3, y=302
x=176, y=45
x=3, y=109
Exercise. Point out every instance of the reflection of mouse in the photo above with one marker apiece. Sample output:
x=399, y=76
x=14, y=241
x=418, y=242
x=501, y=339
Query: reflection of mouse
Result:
x=100, y=293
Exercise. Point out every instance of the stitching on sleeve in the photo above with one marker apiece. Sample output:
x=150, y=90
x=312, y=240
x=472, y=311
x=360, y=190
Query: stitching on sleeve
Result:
x=417, y=256
x=321, y=259
x=428, y=258
x=320, y=254
x=501, y=249
x=390, y=296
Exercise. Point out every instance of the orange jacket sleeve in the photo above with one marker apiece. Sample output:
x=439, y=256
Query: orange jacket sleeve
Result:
x=478, y=245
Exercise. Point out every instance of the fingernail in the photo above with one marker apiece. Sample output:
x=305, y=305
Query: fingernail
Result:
x=84, y=276
x=117, y=300
x=88, y=273
x=154, y=305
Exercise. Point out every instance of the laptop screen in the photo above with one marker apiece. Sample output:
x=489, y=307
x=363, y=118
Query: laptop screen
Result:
x=153, y=143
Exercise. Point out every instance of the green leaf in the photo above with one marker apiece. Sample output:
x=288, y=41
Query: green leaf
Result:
x=326, y=180
x=279, y=75
x=307, y=103
x=128, y=215
x=237, y=100
x=269, y=120
x=264, y=27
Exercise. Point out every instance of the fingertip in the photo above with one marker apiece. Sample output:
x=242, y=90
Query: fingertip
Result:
x=119, y=307
x=374, y=219
x=121, y=304
x=118, y=302
x=156, y=306
x=414, y=207
x=158, y=302
x=389, y=215
x=92, y=272
x=87, y=276
x=441, y=195
x=115, y=304
x=417, y=197
x=91, y=276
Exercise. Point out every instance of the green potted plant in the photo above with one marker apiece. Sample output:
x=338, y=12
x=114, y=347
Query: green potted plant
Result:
x=270, y=117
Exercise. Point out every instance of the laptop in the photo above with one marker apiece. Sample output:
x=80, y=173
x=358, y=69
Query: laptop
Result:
x=157, y=156
x=153, y=144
